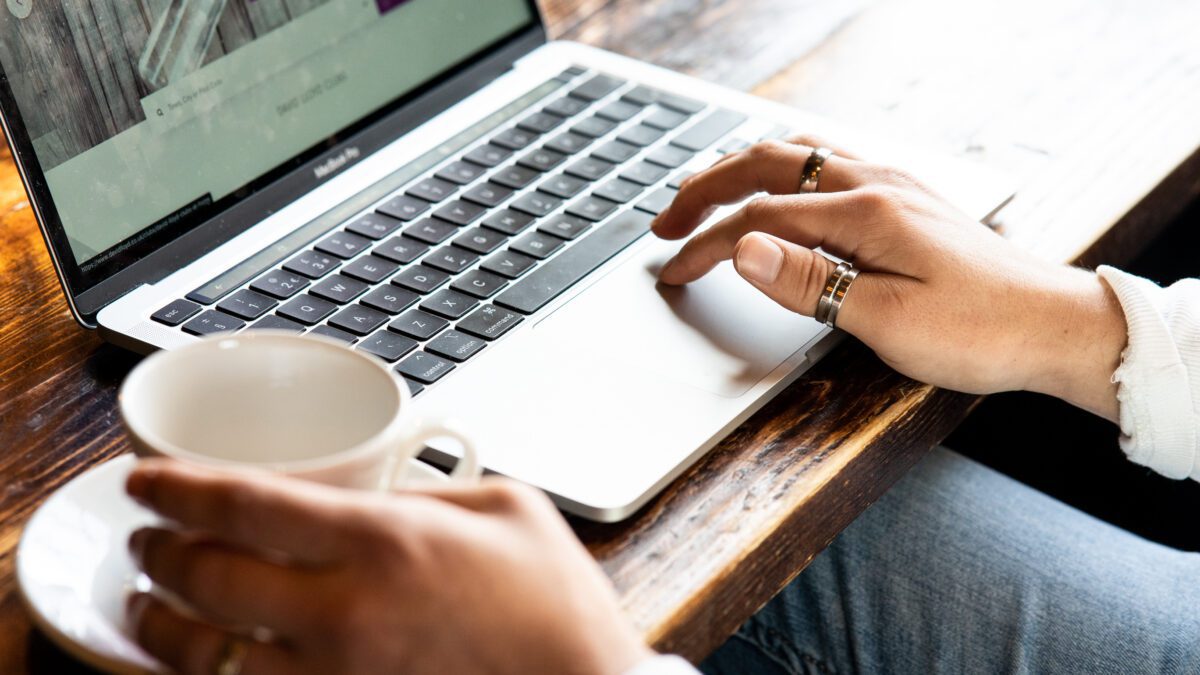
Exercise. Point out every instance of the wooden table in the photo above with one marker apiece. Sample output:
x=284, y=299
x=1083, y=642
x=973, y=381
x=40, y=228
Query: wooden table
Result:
x=1093, y=104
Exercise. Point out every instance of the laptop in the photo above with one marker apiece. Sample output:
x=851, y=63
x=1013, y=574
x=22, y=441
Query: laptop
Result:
x=428, y=181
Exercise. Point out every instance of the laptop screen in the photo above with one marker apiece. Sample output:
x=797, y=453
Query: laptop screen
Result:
x=152, y=115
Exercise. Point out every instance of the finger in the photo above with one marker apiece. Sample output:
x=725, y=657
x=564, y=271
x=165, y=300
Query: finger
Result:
x=813, y=221
x=491, y=495
x=814, y=141
x=796, y=278
x=188, y=646
x=260, y=511
x=229, y=585
x=773, y=166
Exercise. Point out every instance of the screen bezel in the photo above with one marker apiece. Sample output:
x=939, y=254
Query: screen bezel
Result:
x=158, y=255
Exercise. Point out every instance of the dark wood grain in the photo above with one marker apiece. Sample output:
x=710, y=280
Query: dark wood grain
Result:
x=1098, y=113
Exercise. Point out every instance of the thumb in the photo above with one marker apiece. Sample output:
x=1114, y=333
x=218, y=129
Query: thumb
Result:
x=789, y=274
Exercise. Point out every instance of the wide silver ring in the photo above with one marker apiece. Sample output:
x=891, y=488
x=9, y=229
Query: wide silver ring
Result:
x=825, y=304
x=839, y=296
x=810, y=179
x=233, y=657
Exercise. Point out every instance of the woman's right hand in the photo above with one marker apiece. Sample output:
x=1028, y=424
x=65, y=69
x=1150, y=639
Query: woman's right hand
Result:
x=940, y=297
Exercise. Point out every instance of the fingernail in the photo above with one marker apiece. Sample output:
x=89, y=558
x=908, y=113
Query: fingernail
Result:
x=135, y=604
x=138, y=485
x=137, y=545
x=759, y=259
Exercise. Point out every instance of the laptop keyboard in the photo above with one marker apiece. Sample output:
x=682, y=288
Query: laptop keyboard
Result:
x=458, y=258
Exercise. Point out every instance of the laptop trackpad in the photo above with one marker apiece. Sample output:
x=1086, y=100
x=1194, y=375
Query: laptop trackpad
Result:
x=718, y=334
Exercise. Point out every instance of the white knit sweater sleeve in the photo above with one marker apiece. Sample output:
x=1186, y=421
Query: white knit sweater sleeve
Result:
x=1159, y=377
x=664, y=665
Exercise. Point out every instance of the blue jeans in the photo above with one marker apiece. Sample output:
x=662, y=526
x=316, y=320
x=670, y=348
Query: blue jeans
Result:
x=960, y=569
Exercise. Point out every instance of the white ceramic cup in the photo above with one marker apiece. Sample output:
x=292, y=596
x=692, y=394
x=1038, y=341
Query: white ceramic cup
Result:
x=300, y=406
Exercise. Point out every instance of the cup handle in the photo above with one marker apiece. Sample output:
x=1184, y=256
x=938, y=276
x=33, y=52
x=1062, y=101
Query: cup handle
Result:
x=468, y=468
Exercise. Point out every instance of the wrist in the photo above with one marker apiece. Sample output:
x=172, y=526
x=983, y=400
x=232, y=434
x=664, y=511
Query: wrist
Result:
x=1082, y=333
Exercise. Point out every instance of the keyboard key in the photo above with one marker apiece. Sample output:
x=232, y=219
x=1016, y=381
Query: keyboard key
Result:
x=460, y=173
x=414, y=387
x=733, y=145
x=590, y=168
x=450, y=259
x=641, y=95
x=308, y=310
x=312, y=264
x=537, y=245
x=665, y=120
x=618, y=111
x=540, y=123
x=488, y=194
x=658, y=201
x=343, y=245
x=566, y=107
x=670, y=157
x=246, y=304
x=212, y=322
x=176, y=313
x=679, y=103
x=488, y=156
x=640, y=135
x=459, y=212
x=480, y=240
x=509, y=264
x=339, y=289
x=456, y=346
x=509, y=222
x=274, y=322
x=431, y=231
x=542, y=160
x=401, y=250
x=450, y=304
x=597, y=88
x=424, y=367
x=489, y=322
x=563, y=186
x=369, y=268
x=616, y=152
x=555, y=277
x=479, y=284
x=592, y=208
x=676, y=181
x=536, y=204
x=644, y=173
x=594, y=127
x=516, y=177
x=514, y=139
x=568, y=143
x=334, y=334
x=280, y=284
x=388, y=346
x=418, y=325
x=565, y=226
x=420, y=278
x=359, y=320
x=708, y=130
x=390, y=299
x=404, y=207
x=432, y=190
x=620, y=191
x=374, y=226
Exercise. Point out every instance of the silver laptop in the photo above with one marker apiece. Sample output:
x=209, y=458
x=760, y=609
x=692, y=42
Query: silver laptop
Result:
x=429, y=181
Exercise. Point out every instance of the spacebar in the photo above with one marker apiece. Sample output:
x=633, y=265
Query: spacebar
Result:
x=565, y=270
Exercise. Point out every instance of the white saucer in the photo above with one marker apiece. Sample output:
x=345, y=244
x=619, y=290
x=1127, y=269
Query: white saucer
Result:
x=74, y=569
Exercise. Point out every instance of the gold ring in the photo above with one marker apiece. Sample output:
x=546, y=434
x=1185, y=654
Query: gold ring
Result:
x=233, y=657
x=810, y=179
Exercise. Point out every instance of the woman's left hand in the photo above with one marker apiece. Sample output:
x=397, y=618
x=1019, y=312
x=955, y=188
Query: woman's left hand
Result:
x=449, y=579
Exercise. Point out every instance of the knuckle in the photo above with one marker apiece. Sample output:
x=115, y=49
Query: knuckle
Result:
x=764, y=150
x=879, y=199
x=510, y=496
x=759, y=208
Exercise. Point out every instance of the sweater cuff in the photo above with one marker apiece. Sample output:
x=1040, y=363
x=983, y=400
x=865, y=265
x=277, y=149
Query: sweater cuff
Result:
x=664, y=665
x=1158, y=424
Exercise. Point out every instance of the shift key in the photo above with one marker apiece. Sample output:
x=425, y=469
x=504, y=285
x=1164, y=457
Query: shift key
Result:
x=555, y=277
